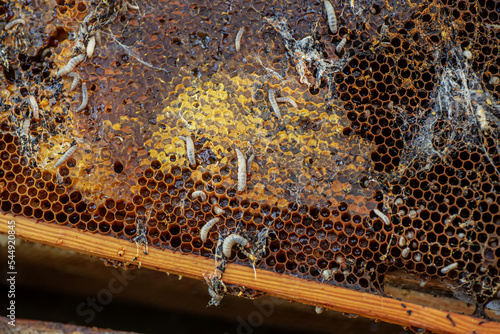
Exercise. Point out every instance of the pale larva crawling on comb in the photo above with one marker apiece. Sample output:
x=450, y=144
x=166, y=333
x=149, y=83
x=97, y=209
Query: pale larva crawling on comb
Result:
x=131, y=6
x=98, y=37
x=249, y=163
x=11, y=24
x=34, y=106
x=91, y=46
x=70, y=66
x=76, y=79
x=340, y=46
x=237, y=42
x=189, y=149
x=332, y=18
x=274, y=104
x=449, y=267
x=230, y=241
x=26, y=127
x=242, y=171
x=402, y=241
x=200, y=194
x=206, y=228
x=218, y=211
x=382, y=216
x=85, y=98
x=287, y=100
x=481, y=118
x=66, y=155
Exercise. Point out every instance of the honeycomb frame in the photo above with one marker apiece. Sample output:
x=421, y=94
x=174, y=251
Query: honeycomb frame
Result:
x=390, y=162
x=287, y=287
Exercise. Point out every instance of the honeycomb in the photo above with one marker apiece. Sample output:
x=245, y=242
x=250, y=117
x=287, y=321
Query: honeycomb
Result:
x=389, y=162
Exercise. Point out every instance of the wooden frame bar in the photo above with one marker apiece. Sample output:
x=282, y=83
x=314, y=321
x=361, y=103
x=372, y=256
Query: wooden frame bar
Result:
x=292, y=288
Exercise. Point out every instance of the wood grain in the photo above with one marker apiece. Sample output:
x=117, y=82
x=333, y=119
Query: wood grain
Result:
x=292, y=288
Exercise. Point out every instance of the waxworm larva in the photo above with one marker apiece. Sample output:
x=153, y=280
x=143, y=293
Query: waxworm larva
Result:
x=70, y=66
x=249, y=163
x=481, y=118
x=238, y=39
x=85, y=98
x=230, y=241
x=76, y=79
x=131, y=6
x=200, y=194
x=26, y=127
x=274, y=104
x=91, y=46
x=207, y=227
x=189, y=149
x=66, y=155
x=98, y=37
x=218, y=210
x=382, y=216
x=34, y=106
x=340, y=46
x=332, y=18
x=242, y=171
x=449, y=267
x=402, y=241
x=11, y=24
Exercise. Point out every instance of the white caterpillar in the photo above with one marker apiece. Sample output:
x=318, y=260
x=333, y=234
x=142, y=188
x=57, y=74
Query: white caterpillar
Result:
x=242, y=171
x=98, y=37
x=26, y=127
x=238, y=38
x=189, y=149
x=34, y=106
x=382, y=216
x=249, y=163
x=230, y=241
x=274, y=104
x=481, y=118
x=13, y=23
x=332, y=18
x=66, y=155
x=340, y=46
x=76, y=79
x=402, y=241
x=70, y=66
x=206, y=228
x=131, y=6
x=91, y=46
x=85, y=98
x=218, y=210
x=200, y=194
x=449, y=268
